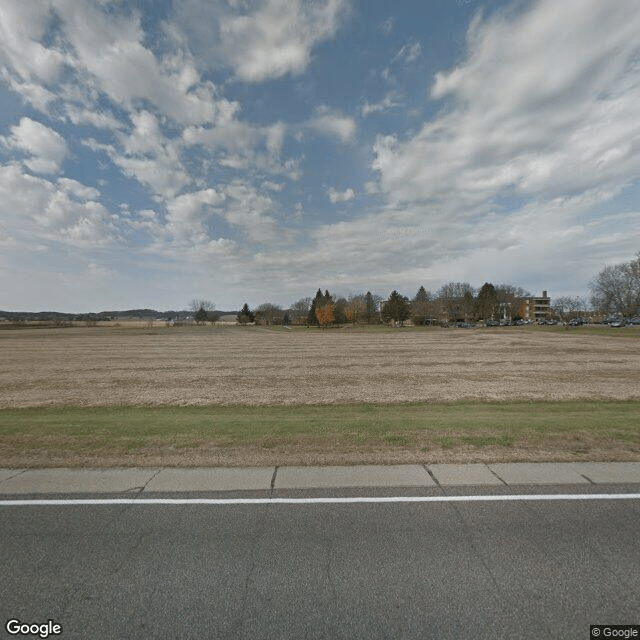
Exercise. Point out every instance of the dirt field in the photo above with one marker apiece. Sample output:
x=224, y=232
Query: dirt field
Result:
x=223, y=365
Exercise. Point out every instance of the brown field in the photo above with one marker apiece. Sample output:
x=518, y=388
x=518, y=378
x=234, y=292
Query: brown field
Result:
x=102, y=366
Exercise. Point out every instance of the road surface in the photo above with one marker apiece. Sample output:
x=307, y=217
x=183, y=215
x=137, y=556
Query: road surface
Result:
x=513, y=568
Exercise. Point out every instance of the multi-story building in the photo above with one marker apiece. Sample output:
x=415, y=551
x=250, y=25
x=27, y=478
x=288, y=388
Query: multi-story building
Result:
x=535, y=309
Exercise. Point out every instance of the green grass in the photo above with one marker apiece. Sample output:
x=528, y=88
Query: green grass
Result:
x=126, y=429
x=630, y=331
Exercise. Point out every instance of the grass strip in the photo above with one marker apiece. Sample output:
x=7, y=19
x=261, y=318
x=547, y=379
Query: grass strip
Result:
x=126, y=429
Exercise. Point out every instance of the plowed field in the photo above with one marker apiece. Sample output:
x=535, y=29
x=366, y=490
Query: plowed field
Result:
x=254, y=366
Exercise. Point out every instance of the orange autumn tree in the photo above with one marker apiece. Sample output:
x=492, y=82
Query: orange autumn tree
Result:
x=325, y=315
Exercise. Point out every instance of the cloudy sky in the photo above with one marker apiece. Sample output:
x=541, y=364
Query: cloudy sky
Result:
x=255, y=150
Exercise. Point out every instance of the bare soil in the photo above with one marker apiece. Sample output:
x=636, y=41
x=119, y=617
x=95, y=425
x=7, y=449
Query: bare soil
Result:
x=99, y=366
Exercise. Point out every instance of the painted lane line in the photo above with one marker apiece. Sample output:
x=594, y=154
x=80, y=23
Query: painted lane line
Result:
x=327, y=500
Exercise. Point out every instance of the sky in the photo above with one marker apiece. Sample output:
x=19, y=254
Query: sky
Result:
x=154, y=152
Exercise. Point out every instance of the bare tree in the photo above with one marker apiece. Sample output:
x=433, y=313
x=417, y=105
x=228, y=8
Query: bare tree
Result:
x=198, y=303
x=300, y=310
x=202, y=310
x=509, y=299
x=268, y=313
x=568, y=307
x=456, y=300
x=356, y=308
x=616, y=289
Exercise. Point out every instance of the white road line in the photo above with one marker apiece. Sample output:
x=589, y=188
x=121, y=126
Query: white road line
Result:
x=326, y=500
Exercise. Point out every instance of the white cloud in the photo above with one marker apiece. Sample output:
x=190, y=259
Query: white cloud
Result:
x=7, y=240
x=387, y=26
x=149, y=156
x=276, y=37
x=194, y=220
x=535, y=134
x=388, y=102
x=331, y=122
x=100, y=271
x=188, y=213
x=109, y=47
x=250, y=210
x=46, y=146
x=78, y=189
x=104, y=51
x=32, y=92
x=557, y=114
x=372, y=187
x=241, y=145
x=145, y=136
x=341, y=196
x=409, y=52
x=99, y=119
x=22, y=26
x=273, y=186
x=387, y=76
x=39, y=209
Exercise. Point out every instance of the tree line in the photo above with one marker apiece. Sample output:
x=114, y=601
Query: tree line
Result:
x=616, y=290
x=452, y=302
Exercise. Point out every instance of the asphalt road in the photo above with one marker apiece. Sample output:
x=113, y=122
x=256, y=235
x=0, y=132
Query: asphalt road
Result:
x=504, y=569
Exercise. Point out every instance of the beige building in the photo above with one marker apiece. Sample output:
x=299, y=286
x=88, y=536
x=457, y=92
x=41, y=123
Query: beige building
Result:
x=534, y=309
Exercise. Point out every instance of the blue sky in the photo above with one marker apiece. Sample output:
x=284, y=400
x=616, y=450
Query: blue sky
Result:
x=244, y=150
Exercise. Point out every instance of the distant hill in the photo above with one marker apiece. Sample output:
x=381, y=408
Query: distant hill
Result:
x=57, y=316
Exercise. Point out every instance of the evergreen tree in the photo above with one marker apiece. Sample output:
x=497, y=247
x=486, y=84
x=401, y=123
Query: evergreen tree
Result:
x=420, y=306
x=371, y=303
x=486, y=302
x=340, y=311
x=200, y=316
x=316, y=303
x=397, y=308
x=245, y=315
x=422, y=295
x=468, y=304
x=321, y=300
